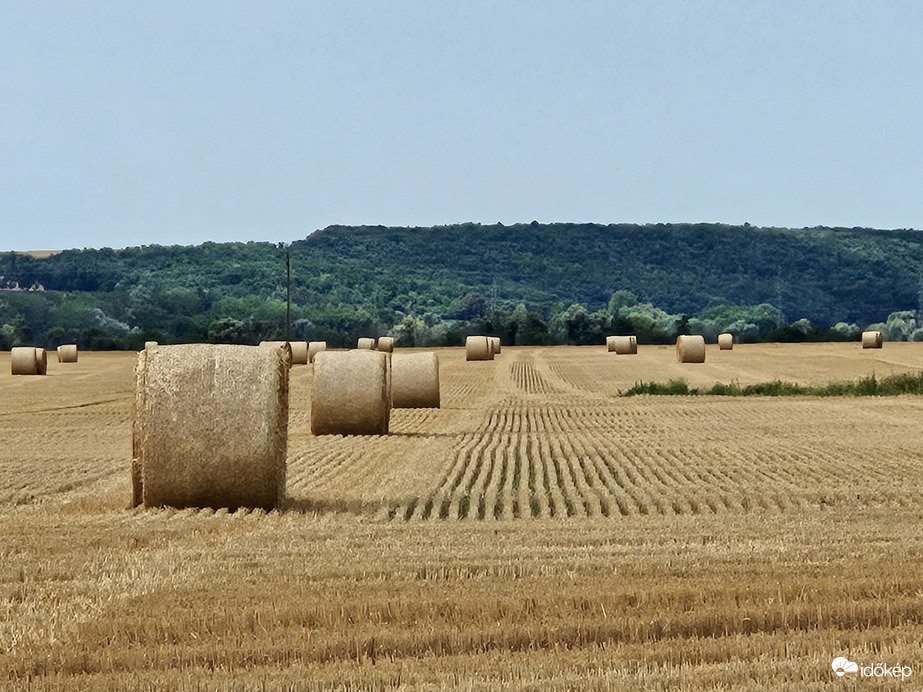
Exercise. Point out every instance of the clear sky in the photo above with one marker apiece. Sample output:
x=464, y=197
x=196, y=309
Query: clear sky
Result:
x=164, y=121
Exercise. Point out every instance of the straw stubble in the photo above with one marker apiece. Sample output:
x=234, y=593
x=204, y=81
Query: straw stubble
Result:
x=137, y=481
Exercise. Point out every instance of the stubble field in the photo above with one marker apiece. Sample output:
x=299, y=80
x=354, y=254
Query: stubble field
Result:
x=535, y=532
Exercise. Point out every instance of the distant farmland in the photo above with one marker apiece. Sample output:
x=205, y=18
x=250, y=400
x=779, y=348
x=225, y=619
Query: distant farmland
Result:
x=538, y=531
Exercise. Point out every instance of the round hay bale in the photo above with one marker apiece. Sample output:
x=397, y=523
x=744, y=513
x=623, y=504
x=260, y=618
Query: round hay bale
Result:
x=299, y=352
x=386, y=344
x=415, y=380
x=23, y=361
x=871, y=340
x=478, y=348
x=624, y=345
x=315, y=347
x=212, y=425
x=150, y=344
x=495, y=344
x=366, y=343
x=41, y=361
x=67, y=353
x=690, y=348
x=287, y=345
x=726, y=342
x=351, y=394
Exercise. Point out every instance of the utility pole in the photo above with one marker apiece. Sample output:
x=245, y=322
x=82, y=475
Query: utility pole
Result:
x=920, y=302
x=288, y=296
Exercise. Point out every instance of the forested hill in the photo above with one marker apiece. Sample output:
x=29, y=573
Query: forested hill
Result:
x=349, y=279
x=826, y=275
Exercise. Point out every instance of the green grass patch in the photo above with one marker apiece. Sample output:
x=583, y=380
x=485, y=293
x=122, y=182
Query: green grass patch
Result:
x=659, y=388
x=866, y=386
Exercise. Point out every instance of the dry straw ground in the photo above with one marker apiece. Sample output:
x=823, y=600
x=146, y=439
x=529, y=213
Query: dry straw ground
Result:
x=533, y=533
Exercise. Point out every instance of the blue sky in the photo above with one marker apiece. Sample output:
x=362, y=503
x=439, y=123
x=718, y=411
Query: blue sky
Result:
x=128, y=123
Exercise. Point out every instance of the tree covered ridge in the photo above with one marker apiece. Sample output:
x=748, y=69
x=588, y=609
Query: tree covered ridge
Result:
x=530, y=282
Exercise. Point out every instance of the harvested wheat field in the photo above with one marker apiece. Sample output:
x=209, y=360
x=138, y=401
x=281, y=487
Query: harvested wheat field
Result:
x=535, y=532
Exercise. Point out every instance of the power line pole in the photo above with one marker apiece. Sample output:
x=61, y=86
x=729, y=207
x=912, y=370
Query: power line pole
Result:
x=288, y=296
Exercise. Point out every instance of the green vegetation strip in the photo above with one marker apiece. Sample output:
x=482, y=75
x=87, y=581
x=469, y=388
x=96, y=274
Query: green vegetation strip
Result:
x=867, y=386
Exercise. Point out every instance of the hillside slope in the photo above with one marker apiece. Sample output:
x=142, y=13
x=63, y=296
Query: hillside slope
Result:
x=824, y=274
x=435, y=283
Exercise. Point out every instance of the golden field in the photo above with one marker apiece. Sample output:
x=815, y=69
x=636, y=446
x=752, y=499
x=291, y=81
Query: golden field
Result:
x=536, y=532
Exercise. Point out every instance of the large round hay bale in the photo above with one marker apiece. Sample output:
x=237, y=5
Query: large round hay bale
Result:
x=726, y=342
x=41, y=361
x=478, y=348
x=690, y=348
x=299, y=352
x=212, y=425
x=386, y=344
x=365, y=343
x=415, y=380
x=150, y=344
x=315, y=347
x=495, y=344
x=67, y=353
x=871, y=340
x=351, y=394
x=625, y=345
x=23, y=361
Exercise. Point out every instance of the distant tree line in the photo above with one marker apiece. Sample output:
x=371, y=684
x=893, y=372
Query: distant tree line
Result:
x=108, y=322
x=528, y=284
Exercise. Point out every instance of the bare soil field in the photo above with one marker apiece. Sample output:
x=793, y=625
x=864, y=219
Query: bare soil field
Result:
x=536, y=532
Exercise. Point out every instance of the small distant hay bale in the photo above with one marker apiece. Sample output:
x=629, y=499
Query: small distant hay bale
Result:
x=725, y=342
x=624, y=345
x=386, y=344
x=211, y=426
x=871, y=340
x=150, y=344
x=299, y=352
x=315, y=347
x=41, y=361
x=67, y=353
x=415, y=380
x=351, y=394
x=366, y=344
x=23, y=361
x=690, y=348
x=478, y=348
x=495, y=344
